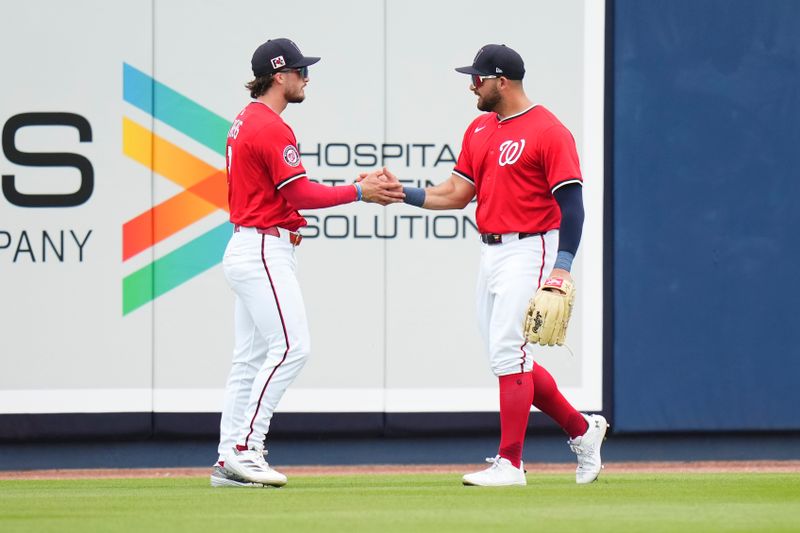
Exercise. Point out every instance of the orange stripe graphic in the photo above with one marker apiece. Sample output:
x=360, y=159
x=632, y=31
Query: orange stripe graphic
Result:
x=206, y=189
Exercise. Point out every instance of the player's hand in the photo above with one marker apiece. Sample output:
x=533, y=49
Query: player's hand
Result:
x=560, y=273
x=388, y=176
x=377, y=189
x=363, y=175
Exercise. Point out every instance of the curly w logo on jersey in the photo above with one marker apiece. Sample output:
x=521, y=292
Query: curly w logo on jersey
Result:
x=202, y=195
x=510, y=152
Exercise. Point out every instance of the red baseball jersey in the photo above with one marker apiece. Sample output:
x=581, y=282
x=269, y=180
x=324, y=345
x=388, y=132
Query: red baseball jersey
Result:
x=262, y=157
x=516, y=163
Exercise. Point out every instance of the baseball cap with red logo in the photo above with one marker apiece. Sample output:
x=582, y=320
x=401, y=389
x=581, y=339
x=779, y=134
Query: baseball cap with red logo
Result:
x=279, y=54
x=496, y=60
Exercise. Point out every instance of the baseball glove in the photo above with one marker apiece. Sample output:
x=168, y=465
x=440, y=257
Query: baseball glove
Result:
x=548, y=313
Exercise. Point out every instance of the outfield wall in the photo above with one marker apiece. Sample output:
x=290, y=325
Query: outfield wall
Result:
x=686, y=271
x=114, y=304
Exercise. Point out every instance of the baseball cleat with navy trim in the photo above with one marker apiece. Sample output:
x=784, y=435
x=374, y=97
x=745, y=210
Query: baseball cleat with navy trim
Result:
x=587, y=448
x=501, y=474
x=222, y=477
x=251, y=465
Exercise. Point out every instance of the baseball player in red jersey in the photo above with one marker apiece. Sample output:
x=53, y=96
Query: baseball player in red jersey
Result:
x=267, y=185
x=522, y=164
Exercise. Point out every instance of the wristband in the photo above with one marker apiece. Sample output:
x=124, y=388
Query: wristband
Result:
x=358, y=191
x=414, y=196
x=564, y=260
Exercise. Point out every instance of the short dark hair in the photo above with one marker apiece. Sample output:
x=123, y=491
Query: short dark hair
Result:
x=259, y=86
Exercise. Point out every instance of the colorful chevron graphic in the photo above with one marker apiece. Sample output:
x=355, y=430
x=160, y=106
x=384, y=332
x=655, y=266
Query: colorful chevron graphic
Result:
x=204, y=190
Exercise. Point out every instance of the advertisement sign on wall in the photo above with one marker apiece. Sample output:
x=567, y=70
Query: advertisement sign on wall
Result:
x=113, y=218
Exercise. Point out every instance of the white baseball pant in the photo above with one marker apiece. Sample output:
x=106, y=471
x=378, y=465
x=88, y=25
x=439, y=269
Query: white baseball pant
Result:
x=271, y=339
x=509, y=275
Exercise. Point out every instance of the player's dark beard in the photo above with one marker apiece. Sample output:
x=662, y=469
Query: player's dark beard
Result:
x=294, y=97
x=490, y=101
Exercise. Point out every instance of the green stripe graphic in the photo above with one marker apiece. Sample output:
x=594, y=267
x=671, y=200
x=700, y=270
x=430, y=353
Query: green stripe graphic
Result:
x=175, y=268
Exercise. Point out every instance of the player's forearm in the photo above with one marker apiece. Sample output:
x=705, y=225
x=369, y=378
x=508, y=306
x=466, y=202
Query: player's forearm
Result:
x=438, y=199
x=446, y=195
x=305, y=194
x=570, y=201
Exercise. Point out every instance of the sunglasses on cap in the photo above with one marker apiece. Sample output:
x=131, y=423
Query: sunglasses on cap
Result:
x=477, y=80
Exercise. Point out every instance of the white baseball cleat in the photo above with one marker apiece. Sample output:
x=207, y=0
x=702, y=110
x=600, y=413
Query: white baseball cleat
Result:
x=587, y=448
x=251, y=465
x=222, y=477
x=501, y=474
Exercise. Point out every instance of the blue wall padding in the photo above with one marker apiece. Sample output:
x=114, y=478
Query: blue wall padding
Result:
x=706, y=215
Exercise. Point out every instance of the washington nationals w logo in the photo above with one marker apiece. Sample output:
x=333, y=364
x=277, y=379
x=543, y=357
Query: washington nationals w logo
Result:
x=510, y=151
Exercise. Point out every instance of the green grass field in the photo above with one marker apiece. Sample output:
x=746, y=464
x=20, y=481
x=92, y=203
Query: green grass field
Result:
x=409, y=503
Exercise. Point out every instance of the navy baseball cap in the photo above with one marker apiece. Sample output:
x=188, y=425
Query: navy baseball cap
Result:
x=278, y=54
x=496, y=60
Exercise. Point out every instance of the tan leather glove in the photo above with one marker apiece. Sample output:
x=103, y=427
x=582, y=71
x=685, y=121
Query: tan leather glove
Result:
x=549, y=311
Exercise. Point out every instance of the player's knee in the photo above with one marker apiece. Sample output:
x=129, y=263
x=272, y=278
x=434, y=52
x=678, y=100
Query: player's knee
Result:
x=300, y=349
x=245, y=367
